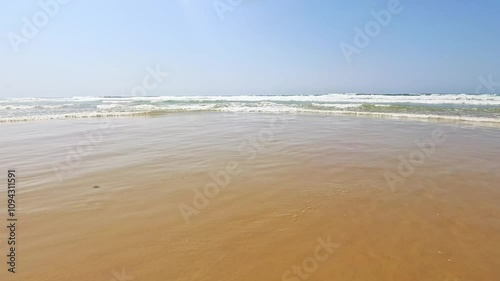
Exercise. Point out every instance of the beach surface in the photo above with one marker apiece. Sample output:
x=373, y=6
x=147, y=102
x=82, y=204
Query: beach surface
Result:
x=252, y=196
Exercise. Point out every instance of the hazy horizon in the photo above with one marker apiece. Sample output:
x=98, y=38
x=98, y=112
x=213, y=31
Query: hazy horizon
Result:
x=270, y=95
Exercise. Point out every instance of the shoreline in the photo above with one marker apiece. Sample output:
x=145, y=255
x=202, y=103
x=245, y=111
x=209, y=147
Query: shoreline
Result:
x=438, y=119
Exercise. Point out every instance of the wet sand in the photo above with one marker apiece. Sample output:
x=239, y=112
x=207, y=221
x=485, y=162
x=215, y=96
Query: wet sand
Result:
x=276, y=197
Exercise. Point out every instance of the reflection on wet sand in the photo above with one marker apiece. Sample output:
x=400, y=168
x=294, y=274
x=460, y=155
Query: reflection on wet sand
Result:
x=212, y=196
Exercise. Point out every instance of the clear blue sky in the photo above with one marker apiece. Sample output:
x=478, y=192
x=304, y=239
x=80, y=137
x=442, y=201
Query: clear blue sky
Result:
x=261, y=47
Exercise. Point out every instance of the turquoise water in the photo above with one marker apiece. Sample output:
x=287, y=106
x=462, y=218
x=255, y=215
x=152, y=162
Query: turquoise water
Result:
x=461, y=107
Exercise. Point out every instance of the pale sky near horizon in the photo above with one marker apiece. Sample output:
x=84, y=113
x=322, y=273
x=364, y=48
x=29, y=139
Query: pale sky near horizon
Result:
x=260, y=47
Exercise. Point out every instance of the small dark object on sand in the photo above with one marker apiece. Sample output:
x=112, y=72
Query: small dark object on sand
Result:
x=96, y=186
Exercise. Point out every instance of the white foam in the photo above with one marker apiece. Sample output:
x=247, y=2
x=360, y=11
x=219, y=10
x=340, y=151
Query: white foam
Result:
x=93, y=114
x=467, y=99
x=338, y=105
x=109, y=106
x=26, y=109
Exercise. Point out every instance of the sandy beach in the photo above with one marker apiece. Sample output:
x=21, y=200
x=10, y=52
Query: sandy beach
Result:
x=226, y=196
x=233, y=140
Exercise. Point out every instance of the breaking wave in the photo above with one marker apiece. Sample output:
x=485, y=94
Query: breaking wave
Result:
x=458, y=107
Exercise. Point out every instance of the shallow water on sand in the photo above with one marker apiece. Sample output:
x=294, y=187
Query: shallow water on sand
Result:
x=222, y=196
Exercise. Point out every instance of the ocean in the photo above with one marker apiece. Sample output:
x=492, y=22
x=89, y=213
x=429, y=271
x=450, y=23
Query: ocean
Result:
x=484, y=108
